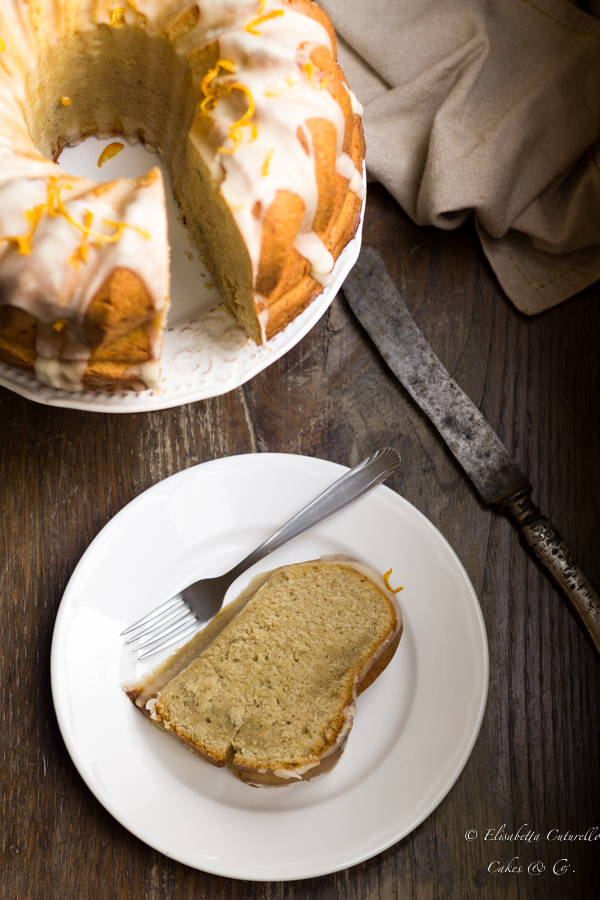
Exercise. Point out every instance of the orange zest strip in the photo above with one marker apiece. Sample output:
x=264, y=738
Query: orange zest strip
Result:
x=81, y=254
x=277, y=91
x=23, y=241
x=117, y=16
x=245, y=120
x=66, y=101
x=387, y=583
x=120, y=226
x=265, y=169
x=101, y=238
x=251, y=26
x=61, y=209
x=55, y=206
x=236, y=137
x=109, y=151
x=33, y=216
x=212, y=74
x=308, y=68
x=50, y=207
x=212, y=94
x=235, y=130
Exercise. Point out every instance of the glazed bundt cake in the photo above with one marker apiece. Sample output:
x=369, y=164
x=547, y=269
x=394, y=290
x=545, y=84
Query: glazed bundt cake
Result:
x=261, y=135
x=269, y=686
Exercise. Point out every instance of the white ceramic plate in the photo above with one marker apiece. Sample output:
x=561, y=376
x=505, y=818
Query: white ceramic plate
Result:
x=205, y=352
x=415, y=727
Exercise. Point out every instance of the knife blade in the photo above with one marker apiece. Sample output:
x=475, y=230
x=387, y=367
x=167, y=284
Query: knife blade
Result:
x=378, y=306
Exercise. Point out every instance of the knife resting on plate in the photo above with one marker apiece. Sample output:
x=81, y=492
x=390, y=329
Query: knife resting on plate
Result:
x=381, y=311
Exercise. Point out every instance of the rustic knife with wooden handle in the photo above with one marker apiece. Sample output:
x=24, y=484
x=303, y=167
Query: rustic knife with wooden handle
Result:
x=380, y=309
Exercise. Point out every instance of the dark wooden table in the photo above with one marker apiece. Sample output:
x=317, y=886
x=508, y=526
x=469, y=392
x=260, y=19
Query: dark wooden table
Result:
x=536, y=762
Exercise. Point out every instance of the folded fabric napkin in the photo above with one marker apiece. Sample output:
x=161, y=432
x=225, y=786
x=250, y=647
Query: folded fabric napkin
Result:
x=491, y=107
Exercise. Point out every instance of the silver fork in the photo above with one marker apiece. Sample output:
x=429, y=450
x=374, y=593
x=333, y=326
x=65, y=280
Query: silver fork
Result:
x=190, y=609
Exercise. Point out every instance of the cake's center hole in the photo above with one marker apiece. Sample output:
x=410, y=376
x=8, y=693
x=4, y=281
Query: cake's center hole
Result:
x=132, y=161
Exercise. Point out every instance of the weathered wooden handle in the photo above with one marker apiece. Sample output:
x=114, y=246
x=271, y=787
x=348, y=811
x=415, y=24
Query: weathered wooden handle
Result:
x=551, y=550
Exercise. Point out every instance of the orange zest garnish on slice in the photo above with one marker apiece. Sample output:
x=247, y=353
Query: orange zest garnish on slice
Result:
x=23, y=241
x=121, y=226
x=117, y=16
x=54, y=206
x=50, y=207
x=387, y=583
x=100, y=238
x=109, y=151
x=81, y=254
x=60, y=207
x=66, y=101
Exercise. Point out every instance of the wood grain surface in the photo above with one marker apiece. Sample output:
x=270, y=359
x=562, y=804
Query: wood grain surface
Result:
x=65, y=473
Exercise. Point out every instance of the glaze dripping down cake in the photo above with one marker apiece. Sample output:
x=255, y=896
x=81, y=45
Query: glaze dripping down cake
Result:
x=261, y=135
x=269, y=686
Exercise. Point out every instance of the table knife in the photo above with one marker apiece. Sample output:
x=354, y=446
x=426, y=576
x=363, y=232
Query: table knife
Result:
x=380, y=309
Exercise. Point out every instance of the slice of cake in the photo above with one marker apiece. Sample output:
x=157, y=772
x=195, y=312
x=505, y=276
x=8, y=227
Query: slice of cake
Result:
x=269, y=686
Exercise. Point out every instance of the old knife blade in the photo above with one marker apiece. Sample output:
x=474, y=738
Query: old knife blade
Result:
x=380, y=309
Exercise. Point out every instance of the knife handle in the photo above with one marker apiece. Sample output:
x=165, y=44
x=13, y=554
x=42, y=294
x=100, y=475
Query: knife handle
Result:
x=547, y=544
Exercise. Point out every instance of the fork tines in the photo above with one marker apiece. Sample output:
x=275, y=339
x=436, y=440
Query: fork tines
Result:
x=174, y=613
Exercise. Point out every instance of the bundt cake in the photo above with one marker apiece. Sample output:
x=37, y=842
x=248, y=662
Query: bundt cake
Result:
x=269, y=686
x=253, y=118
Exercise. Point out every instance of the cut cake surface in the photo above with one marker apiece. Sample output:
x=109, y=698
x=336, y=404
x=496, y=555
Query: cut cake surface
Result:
x=268, y=688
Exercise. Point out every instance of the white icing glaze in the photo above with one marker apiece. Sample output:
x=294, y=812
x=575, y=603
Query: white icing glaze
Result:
x=357, y=107
x=149, y=372
x=346, y=168
x=291, y=773
x=151, y=707
x=65, y=374
x=310, y=245
x=268, y=46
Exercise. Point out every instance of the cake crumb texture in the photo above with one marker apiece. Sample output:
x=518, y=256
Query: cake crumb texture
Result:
x=275, y=689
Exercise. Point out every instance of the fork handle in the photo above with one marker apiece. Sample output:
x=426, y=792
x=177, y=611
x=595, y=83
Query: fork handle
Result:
x=359, y=481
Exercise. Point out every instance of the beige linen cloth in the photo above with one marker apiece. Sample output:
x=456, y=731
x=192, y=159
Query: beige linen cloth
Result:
x=491, y=107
